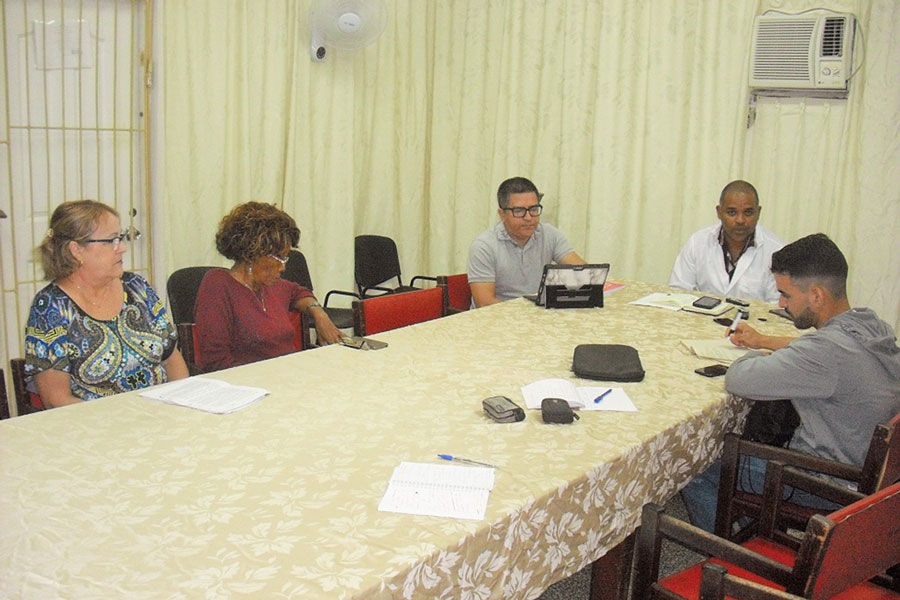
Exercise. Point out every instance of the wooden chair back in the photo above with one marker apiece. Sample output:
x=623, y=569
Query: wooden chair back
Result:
x=880, y=469
x=26, y=402
x=4, y=399
x=459, y=296
x=882, y=465
x=849, y=546
x=391, y=311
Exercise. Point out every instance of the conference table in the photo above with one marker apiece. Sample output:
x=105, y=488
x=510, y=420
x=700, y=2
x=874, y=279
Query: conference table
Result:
x=133, y=498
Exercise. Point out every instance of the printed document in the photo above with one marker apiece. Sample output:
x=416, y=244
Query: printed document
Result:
x=202, y=393
x=452, y=491
x=579, y=398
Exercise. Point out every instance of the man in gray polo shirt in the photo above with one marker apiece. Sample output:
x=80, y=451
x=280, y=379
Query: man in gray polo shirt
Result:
x=507, y=260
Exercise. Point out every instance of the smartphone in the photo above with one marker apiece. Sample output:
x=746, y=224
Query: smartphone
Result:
x=711, y=370
x=706, y=302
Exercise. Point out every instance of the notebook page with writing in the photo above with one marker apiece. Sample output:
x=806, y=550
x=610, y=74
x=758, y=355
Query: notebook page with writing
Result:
x=433, y=490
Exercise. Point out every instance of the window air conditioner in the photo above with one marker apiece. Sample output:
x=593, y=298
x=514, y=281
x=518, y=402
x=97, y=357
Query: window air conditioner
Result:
x=802, y=52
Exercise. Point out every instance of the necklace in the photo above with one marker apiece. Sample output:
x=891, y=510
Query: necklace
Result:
x=256, y=295
x=97, y=304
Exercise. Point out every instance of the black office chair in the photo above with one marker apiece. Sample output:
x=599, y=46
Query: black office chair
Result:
x=182, y=287
x=297, y=270
x=376, y=262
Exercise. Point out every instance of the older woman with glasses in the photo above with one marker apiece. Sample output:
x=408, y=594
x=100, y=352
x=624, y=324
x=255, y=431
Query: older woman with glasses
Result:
x=95, y=330
x=243, y=314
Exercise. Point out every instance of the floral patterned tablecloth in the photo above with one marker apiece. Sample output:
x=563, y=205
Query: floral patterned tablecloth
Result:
x=125, y=497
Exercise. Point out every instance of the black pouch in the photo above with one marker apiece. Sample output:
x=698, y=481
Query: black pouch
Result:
x=557, y=410
x=502, y=409
x=771, y=422
x=607, y=362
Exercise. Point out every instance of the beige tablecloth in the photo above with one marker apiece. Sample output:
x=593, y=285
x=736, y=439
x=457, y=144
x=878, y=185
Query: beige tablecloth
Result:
x=127, y=497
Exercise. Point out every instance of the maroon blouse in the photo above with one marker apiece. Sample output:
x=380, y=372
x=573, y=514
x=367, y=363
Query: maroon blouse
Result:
x=236, y=327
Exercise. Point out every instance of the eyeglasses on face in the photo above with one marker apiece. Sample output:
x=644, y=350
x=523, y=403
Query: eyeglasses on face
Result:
x=283, y=261
x=519, y=211
x=128, y=235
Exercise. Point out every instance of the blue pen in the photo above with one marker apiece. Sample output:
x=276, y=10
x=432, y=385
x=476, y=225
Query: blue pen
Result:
x=602, y=396
x=466, y=460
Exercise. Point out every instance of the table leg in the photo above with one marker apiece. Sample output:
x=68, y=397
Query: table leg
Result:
x=611, y=573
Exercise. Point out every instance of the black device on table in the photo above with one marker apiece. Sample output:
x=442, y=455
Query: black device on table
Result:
x=712, y=370
x=706, y=302
x=571, y=286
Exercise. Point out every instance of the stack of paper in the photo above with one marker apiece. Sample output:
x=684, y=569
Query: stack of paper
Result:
x=720, y=349
x=439, y=490
x=210, y=395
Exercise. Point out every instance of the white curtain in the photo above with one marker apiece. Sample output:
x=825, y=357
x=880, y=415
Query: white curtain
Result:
x=630, y=116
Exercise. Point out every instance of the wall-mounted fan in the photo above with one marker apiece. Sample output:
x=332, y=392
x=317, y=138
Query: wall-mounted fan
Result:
x=345, y=25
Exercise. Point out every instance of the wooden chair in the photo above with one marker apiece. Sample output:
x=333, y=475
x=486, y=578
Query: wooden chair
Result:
x=383, y=313
x=836, y=558
x=880, y=469
x=376, y=261
x=4, y=399
x=26, y=402
x=459, y=296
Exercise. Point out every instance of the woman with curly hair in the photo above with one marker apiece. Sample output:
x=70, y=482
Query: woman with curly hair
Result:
x=243, y=314
x=96, y=329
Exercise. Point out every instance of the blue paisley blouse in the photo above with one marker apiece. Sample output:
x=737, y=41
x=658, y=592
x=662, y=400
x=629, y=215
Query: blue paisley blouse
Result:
x=102, y=357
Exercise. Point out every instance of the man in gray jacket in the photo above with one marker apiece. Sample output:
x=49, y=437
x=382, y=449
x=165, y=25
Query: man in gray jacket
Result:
x=843, y=379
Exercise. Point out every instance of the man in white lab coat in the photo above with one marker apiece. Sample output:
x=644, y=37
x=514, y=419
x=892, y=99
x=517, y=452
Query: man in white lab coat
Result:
x=734, y=257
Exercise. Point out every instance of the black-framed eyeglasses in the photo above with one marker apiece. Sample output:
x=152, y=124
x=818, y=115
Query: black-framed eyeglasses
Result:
x=519, y=211
x=128, y=235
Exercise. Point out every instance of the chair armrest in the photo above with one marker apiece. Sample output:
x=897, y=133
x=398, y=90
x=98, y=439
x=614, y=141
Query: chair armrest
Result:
x=340, y=293
x=412, y=282
x=655, y=525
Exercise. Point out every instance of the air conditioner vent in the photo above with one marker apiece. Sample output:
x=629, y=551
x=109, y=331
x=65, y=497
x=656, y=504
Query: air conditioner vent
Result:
x=833, y=37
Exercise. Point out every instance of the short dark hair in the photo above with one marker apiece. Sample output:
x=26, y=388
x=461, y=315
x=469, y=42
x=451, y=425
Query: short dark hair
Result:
x=738, y=186
x=814, y=259
x=515, y=185
x=255, y=229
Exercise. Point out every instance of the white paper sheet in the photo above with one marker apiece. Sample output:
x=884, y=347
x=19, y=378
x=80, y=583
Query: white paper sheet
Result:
x=579, y=398
x=201, y=393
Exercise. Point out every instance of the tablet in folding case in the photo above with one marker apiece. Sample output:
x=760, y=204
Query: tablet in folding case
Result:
x=572, y=286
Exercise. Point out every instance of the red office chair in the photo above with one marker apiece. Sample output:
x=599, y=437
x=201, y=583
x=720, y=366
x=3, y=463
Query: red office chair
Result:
x=880, y=469
x=459, y=296
x=383, y=313
x=842, y=556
